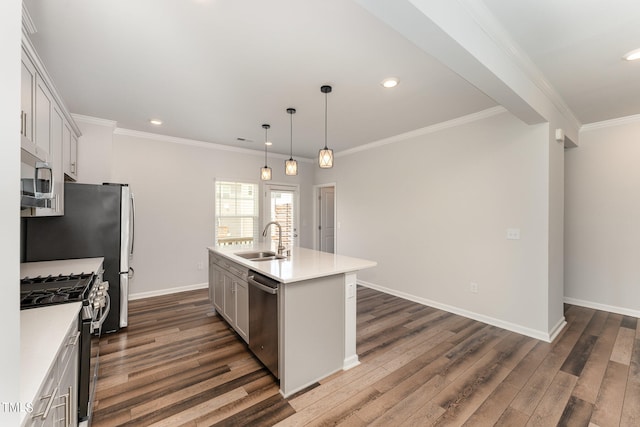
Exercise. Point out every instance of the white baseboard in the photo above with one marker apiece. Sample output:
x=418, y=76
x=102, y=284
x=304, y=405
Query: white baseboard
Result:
x=167, y=291
x=533, y=333
x=603, y=307
x=350, y=362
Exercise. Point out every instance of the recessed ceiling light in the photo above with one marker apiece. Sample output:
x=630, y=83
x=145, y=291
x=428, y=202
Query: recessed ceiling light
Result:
x=633, y=55
x=156, y=122
x=390, y=82
x=268, y=143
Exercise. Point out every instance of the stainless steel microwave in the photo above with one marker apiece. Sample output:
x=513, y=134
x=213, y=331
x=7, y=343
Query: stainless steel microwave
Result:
x=36, y=185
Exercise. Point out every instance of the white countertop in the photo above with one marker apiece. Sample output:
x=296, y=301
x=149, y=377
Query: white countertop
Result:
x=64, y=267
x=303, y=264
x=42, y=331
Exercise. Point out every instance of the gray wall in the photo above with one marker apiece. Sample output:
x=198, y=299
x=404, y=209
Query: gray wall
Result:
x=174, y=188
x=433, y=210
x=602, y=221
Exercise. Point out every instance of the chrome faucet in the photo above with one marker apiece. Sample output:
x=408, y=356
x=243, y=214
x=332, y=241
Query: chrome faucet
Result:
x=264, y=234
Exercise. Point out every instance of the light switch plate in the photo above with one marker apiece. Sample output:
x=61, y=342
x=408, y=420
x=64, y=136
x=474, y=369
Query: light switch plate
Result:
x=513, y=234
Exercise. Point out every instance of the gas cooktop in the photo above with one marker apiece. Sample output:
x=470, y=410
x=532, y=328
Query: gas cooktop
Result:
x=41, y=291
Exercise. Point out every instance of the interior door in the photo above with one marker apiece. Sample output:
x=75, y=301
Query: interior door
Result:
x=327, y=219
x=281, y=205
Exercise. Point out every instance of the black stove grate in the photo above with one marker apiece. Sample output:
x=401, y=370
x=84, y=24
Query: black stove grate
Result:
x=42, y=291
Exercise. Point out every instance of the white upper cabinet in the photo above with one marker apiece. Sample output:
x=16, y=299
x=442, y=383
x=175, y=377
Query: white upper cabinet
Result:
x=27, y=93
x=70, y=152
x=49, y=139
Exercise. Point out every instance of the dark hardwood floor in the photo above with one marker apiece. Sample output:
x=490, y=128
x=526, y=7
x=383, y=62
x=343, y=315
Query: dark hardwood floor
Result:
x=176, y=364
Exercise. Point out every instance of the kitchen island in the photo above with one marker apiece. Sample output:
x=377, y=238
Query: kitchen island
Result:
x=316, y=307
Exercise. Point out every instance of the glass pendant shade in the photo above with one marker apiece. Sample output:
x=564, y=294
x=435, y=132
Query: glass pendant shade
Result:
x=291, y=167
x=265, y=173
x=325, y=158
x=325, y=155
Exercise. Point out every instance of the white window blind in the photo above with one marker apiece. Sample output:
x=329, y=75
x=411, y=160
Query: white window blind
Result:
x=236, y=213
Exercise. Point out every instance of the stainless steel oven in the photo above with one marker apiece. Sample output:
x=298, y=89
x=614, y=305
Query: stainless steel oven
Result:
x=96, y=304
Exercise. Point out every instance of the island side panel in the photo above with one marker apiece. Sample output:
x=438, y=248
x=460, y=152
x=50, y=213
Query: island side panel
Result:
x=312, y=319
x=350, y=312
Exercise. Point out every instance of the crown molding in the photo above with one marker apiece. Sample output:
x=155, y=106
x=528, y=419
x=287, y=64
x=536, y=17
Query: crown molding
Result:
x=94, y=120
x=503, y=40
x=469, y=118
x=611, y=123
x=201, y=144
x=27, y=23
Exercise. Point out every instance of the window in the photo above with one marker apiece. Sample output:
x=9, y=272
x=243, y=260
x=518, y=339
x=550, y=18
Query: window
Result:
x=236, y=213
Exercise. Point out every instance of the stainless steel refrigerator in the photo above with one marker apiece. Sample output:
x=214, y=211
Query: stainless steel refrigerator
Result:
x=98, y=221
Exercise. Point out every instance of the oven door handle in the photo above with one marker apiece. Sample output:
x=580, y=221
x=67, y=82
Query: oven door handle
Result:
x=97, y=324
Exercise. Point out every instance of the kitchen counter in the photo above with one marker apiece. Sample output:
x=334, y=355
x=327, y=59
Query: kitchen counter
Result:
x=316, y=306
x=64, y=267
x=42, y=331
x=303, y=264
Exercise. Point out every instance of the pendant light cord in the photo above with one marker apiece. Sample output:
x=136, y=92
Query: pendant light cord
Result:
x=325, y=120
x=291, y=133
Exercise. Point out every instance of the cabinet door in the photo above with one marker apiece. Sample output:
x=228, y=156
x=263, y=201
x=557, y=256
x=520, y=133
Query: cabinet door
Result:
x=242, y=310
x=67, y=404
x=42, y=117
x=55, y=160
x=218, y=290
x=28, y=83
x=212, y=279
x=70, y=152
x=230, y=298
x=73, y=152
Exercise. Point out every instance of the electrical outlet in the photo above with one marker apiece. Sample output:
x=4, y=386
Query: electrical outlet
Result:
x=473, y=287
x=200, y=265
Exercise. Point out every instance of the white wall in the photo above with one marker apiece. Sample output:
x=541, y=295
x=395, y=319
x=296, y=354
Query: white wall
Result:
x=10, y=19
x=602, y=220
x=174, y=190
x=95, y=147
x=433, y=210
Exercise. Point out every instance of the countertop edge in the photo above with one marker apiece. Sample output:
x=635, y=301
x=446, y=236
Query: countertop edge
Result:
x=40, y=343
x=341, y=264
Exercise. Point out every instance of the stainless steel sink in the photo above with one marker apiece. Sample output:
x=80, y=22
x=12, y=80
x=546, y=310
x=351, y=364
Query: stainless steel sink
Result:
x=259, y=256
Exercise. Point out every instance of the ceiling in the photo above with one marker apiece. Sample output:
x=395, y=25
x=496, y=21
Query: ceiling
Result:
x=216, y=70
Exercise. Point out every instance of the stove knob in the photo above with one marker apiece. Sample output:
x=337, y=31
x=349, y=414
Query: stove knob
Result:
x=99, y=293
x=96, y=304
x=104, y=285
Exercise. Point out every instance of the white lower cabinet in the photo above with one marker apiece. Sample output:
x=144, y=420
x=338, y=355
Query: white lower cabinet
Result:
x=56, y=403
x=228, y=291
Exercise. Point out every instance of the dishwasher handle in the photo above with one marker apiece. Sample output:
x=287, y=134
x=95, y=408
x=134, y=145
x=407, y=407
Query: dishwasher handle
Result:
x=264, y=288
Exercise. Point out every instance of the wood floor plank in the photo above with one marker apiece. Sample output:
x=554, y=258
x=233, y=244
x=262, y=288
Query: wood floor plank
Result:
x=179, y=364
x=631, y=405
x=594, y=369
x=531, y=394
x=552, y=405
x=623, y=346
x=607, y=410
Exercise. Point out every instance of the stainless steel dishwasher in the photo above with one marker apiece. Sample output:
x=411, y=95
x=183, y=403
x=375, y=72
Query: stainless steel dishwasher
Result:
x=263, y=319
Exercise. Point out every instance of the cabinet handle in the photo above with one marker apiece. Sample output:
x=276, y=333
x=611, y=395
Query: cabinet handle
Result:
x=25, y=123
x=51, y=397
x=21, y=122
x=74, y=340
x=73, y=167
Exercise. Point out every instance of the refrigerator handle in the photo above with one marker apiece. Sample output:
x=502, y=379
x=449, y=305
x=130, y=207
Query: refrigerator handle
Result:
x=132, y=229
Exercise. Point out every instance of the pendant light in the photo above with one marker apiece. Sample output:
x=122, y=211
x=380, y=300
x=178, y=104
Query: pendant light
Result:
x=265, y=172
x=325, y=156
x=291, y=166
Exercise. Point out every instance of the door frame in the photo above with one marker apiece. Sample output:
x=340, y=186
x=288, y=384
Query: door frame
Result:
x=266, y=207
x=316, y=214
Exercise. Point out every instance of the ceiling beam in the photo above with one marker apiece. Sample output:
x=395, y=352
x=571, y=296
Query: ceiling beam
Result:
x=465, y=37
